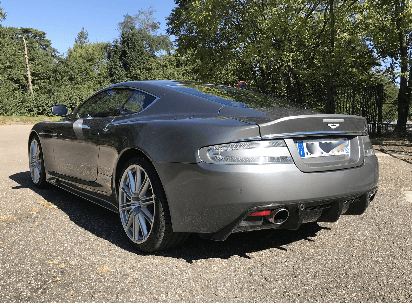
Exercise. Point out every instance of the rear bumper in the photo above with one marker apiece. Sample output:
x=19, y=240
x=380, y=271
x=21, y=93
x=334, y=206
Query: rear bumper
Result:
x=207, y=198
x=301, y=212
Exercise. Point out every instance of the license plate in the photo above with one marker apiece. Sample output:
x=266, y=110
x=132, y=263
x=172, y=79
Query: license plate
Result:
x=323, y=147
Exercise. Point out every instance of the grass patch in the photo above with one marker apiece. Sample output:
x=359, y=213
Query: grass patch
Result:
x=27, y=120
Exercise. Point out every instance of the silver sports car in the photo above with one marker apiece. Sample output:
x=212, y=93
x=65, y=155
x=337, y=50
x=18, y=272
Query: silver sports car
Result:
x=174, y=158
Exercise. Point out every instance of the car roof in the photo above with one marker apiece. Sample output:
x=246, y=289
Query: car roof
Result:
x=227, y=100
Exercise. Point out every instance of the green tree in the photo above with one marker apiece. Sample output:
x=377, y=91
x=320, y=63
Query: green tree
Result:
x=14, y=93
x=82, y=37
x=288, y=48
x=2, y=14
x=81, y=72
x=131, y=56
x=389, y=24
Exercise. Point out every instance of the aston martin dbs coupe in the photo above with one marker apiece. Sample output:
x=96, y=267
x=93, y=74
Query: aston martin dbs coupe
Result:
x=174, y=158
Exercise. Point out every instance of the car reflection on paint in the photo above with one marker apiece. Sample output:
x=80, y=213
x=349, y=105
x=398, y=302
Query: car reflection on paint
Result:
x=174, y=158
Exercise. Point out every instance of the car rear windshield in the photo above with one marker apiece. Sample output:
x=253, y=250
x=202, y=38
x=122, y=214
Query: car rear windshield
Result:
x=233, y=96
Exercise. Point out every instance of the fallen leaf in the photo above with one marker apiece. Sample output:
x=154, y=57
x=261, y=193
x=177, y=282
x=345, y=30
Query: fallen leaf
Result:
x=48, y=205
x=105, y=270
x=8, y=218
x=34, y=211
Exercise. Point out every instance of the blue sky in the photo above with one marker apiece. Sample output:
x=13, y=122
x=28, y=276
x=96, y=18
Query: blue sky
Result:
x=63, y=20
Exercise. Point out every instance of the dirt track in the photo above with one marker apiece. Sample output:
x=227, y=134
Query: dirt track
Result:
x=57, y=247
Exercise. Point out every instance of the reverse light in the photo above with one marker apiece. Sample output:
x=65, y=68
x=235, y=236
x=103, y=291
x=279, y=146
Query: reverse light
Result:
x=250, y=152
x=367, y=146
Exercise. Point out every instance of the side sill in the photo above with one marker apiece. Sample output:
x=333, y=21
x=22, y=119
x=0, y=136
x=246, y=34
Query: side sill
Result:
x=81, y=194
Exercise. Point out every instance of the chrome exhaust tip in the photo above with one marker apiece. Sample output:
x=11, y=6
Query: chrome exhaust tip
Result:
x=278, y=216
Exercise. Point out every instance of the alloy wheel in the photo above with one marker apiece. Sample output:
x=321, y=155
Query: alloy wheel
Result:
x=136, y=203
x=35, y=161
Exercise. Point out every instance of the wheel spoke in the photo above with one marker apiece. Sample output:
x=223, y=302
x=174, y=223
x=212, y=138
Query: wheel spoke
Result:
x=33, y=174
x=145, y=201
x=132, y=182
x=144, y=186
x=37, y=166
x=37, y=151
x=143, y=226
x=33, y=149
x=147, y=215
x=129, y=220
x=126, y=191
x=136, y=228
x=36, y=173
x=138, y=180
x=125, y=207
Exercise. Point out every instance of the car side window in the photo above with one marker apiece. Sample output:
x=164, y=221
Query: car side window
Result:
x=104, y=104
x=137, y=102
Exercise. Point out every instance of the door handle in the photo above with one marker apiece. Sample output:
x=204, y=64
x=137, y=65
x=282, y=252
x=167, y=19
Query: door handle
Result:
x=49, y=133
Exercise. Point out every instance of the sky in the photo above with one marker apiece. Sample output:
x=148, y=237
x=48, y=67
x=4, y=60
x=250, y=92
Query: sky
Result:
x=63, y=20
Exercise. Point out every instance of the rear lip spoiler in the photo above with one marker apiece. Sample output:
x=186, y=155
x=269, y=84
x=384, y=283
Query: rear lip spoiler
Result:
x=301, y=134
x=317, y=133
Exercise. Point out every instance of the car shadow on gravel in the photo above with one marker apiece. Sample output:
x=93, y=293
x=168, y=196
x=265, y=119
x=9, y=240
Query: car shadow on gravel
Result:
x=242, y=244
x=105, y=224
x=392, y=153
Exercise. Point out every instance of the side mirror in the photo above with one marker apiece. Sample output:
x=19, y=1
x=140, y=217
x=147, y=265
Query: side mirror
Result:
x=59, y=110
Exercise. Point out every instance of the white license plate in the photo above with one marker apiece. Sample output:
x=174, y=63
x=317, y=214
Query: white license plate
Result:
x=323, y=147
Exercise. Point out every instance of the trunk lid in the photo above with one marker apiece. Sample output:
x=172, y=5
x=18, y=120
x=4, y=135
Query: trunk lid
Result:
x=321, y=142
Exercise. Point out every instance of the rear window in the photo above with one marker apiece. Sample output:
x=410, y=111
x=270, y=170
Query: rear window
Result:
x=233, y=96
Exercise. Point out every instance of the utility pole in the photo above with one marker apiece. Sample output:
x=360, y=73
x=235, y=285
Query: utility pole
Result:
x=27, y=65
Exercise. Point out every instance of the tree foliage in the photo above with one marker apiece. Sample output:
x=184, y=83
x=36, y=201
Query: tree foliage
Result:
x=134, y=54
x=2, y=14
x=14, y=91
x=296, y=49
x=82, y=38
x=390, y=28
x=278, y=47
x=138, y=54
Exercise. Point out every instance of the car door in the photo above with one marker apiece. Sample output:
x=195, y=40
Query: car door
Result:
x=76, y=147
x=117, y=134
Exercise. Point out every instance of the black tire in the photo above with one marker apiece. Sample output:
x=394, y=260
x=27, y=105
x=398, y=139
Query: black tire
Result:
x=143, y=208
x=36, y=164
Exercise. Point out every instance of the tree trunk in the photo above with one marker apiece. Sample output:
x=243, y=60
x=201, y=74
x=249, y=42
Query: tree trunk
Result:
x=403, y=96
x=27, y=65
x=380, y=95
x=330, y=103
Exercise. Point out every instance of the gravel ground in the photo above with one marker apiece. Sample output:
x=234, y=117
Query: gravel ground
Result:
x=57, y=247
